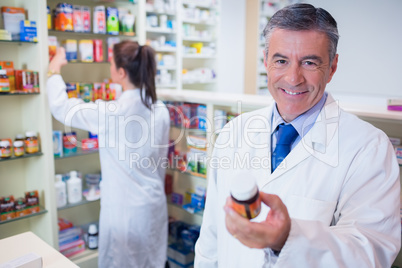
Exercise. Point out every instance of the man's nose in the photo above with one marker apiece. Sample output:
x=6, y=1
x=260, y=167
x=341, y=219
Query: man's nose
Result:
x=294, y=75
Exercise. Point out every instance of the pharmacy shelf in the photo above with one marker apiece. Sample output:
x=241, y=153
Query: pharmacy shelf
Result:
x=88, y=34
x=17, y=42
x=17, y=94
x=198, y=22
x=199, y=82
x=166, y=86
x=180, y=207
x=82, y=202
x=79, y=152
x=86, y=256
x=166, y=50
x=160, y=30
x=20, y=157
x=198, y=39
x=195, y=174
x=198, y=56
x=41, y=212
x=198, y=4
x=160, y=13
x=162, y=67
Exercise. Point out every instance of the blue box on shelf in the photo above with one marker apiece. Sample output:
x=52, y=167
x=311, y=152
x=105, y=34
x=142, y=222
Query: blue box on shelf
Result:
x=28, y=31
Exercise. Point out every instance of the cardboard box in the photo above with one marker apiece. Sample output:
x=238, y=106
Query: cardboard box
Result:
x=28, y=31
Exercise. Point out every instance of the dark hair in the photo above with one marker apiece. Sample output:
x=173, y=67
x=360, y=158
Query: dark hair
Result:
x=302, y=17
x=139, y=63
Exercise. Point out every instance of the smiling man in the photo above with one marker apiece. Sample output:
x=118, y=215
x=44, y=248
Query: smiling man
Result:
x=330, y=194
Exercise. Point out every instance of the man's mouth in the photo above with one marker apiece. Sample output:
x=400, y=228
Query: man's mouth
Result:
x=292, y=93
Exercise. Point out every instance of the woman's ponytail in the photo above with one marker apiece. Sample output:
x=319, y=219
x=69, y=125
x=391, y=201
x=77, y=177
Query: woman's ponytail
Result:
x=139, y=63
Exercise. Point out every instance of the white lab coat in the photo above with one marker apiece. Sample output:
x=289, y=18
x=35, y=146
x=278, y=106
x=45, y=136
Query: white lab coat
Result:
x=340, y=186
x=133, y=217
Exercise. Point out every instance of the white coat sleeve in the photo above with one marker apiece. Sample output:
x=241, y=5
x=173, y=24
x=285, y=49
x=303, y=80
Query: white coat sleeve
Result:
x=72, y=112
x=366, y=229
x=206, y=248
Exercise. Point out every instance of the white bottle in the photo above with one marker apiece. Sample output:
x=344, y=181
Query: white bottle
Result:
x=92, y=237
x=61, y=193
x=74, y=188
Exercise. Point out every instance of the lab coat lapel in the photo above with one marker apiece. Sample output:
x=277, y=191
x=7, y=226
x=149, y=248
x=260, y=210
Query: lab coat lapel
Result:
x=259, y=143
x=321, y=142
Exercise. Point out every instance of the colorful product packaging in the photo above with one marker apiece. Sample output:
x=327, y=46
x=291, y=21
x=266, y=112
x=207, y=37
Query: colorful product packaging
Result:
x=85, y=48
x=72, y=90
x=24, y=81
x=99, y=91
x=112, y=20
x=32, y=201
x=110, y=43
x=398, y=151
x=57, y=143
x=70, y=46
x=78, y=20
x=69, y=142
x=9, y=67
x=52, y=45
x=36, y=88
x=11, y=20
x=86, y=18
x=64, y=17
x=198, y=118
x=7, y=208
x=98, y=50
x=90, y=144
x=5, y=35
x=20, y=207
x=28, y=32
x=86, y=90
x=49, y=18
x=99, y=25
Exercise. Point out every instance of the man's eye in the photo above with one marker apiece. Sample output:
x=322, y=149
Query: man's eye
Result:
x=281, y=61
x=309, y=63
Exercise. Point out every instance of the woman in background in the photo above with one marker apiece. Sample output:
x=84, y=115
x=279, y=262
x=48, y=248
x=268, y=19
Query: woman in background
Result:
x=133, y=137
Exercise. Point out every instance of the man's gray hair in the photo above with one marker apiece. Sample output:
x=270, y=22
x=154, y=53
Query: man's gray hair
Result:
x=304, y=17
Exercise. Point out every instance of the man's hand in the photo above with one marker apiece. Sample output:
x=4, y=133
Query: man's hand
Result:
x=58, y=60
x=271, y=233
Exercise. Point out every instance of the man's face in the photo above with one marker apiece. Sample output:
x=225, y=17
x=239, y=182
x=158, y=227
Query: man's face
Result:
x=298, y=70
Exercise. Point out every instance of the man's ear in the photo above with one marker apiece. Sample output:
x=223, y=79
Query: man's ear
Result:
x=333, y=68
x=265, y=58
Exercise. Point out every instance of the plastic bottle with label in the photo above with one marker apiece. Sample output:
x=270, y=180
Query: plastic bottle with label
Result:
x=61, y=193
x=74, y=188
x=92, y=236
x=246, y=199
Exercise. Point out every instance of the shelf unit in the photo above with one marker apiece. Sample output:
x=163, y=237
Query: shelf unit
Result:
x=24, y=112
x=258, y=14
x=87, y=161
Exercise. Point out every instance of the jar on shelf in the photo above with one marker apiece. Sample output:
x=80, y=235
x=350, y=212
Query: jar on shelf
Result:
x=31, y=142
x=5, y=149
x=4, y=81
x=19, y=137
x=18, y=148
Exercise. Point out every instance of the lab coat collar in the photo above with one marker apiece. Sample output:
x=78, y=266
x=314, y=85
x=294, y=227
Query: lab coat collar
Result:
x=320, y=142
x=129, y=93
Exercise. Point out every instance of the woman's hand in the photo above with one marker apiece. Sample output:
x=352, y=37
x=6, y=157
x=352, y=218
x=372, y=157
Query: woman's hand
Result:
x=58, y=60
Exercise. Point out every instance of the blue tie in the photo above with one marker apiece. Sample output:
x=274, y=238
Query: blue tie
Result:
x=286, y=135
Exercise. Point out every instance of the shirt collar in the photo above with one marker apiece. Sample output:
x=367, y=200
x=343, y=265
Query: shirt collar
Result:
x=304, y=122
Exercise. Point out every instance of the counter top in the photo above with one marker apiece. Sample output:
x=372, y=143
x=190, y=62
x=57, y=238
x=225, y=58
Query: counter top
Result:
x=21, y=244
